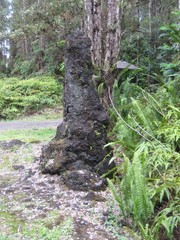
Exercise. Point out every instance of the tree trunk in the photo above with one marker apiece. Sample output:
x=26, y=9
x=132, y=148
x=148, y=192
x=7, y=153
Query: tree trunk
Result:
x=41, y=55
x=94, y=29
x=102, y=25
x=112, y=35
x=26, y=45
x=26, y=49
x=150, y=17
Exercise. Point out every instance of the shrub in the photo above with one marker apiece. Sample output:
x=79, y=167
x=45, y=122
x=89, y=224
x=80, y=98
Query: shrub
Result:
x=148, y=139
x=18, y=97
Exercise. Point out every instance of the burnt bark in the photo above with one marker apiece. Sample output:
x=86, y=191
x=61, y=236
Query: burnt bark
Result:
x=77, y=152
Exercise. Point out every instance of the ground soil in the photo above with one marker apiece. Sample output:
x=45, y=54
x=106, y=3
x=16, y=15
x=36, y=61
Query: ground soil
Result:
x=26, y=195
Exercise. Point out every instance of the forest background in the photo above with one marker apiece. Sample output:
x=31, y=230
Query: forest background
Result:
x=144, y=104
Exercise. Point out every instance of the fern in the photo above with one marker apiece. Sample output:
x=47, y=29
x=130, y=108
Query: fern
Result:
x=168, y=218
x=148, y=133
x=133, y=197
x=138, y=108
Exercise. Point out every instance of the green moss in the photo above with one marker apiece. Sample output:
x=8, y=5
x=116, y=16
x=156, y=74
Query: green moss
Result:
x=63, y=231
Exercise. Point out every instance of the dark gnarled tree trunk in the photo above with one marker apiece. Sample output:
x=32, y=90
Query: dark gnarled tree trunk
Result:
x=77, y=152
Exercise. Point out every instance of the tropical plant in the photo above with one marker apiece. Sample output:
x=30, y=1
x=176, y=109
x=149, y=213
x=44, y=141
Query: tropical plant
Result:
x=148, y=141
x=170, y=50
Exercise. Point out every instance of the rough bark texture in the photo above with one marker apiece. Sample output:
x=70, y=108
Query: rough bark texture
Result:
x=77, y=151
x=102, y=25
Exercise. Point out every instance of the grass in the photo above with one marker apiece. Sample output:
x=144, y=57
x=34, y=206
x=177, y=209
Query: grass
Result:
x=55, y=232
x=44, y=229
x=33, y=135
x=13, y=226
x=53, y=226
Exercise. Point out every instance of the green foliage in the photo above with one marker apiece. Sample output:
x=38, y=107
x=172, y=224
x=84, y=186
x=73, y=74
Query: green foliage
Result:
x=21, y=96
x=64, y=231
x=148, y=139
x=133, y=195
x=170, y=49
x=37, y=34
x=3, y=237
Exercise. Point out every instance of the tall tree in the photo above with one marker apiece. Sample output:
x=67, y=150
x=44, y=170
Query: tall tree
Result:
x=102, y=24
x=4, y=14
x=38, y=28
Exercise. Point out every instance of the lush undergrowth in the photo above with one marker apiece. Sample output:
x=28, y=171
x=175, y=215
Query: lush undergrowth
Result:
x=19, y=96
x=148, y=143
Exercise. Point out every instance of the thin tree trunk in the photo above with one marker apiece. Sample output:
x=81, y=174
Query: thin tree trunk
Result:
x=26, y=48
x=150, y=16
x=41, y=55
x=26, y=45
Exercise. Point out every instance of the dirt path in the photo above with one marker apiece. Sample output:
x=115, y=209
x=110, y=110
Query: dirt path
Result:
x=15, y=125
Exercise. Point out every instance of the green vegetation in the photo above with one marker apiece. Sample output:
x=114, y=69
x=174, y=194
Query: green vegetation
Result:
x=52, y=227
x=147, y=183
x=18, y=97
x=41, y=231
x=148, y=139
x=34, y=135
x=14, y=225
x=145, y=113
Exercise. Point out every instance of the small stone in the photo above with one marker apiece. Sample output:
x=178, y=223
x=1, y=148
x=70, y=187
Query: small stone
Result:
x=11, y=144
x=83, y=180
x=92, y=196
x=30, y=206
x=51, y=181
x=18, y=167
x=42, y=215
x=27, y=199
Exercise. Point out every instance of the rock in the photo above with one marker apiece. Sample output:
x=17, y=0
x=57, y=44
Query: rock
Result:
x=77, y=151
x=11, y=144
x=18, y=167
x=83, y=180
x=92, y=196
